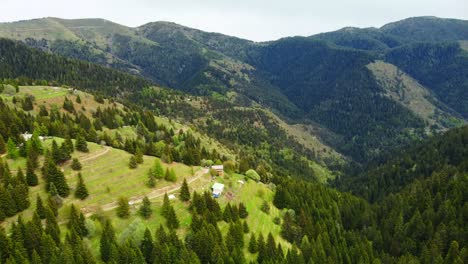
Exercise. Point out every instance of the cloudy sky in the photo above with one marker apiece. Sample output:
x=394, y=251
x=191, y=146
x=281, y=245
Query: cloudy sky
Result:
x=252, y=19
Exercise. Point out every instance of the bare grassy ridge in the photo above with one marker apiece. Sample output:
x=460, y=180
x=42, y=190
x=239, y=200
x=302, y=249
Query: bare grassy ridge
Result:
x=405, y=90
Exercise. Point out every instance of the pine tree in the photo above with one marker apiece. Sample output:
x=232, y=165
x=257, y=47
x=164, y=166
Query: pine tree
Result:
x=151, y=181
x=52, y=227
x=227, y=214
x=170, y=175
x=40, y=209
x=245, y=227
x=165, y=206
x=78, y=99
x=132, y=164
x=242, y=211
x=123, y=210
x=81, y=191
x=146, y=247
x=31, y=177
x=184, y=191
x=12, y=150
x=172, y=221
x=157, y=171
x=145, y=209
x=81, y=144
x=76, y=165
x=253, y=244
x=139, y=155
x=76, y=222
x=107, y=243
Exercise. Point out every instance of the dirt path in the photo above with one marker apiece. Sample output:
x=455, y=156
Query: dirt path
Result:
x=153, y=194
x=96, y=155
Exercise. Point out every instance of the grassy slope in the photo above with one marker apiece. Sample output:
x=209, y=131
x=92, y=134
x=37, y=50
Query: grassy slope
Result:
x=401, y=88
x=107, y=177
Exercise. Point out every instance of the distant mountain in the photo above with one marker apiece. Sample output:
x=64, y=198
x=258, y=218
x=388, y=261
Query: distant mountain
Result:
x=324, y=79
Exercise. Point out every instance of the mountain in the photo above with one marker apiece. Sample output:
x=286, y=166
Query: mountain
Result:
x=99, y=165
x=326, y=80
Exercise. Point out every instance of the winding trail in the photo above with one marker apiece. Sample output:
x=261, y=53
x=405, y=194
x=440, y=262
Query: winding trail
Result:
x=107, y=149
x=153, y=194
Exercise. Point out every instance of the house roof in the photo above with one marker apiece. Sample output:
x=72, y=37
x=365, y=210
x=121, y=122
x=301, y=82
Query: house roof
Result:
x=218, y=186
x=217, y=167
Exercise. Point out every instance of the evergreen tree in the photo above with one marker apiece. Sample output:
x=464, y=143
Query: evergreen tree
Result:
x=31, y=177
x=132, y=164
x=78, y=99
x=253, y=244
x=146, y=247
x=52, y=228
x=76, y=165
x=184, y=191
x=139, y=155
x=172, y=220
x=81, y=192
x=76, y=222
x=245, y=227
x=12, y=150
x=145, y=209
x=107, y=243
x=165, y=206
x=40, y=209
x=170, y=175
x=242, y=211
x=123, y=210
x=157, y=171
x=81, y=144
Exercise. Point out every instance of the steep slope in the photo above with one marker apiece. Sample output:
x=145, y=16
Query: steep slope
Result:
x=441, y=67
x=401, y=88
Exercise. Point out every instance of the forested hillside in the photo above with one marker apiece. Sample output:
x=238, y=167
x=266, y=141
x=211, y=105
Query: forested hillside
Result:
x=322, y=79
x=345, y=147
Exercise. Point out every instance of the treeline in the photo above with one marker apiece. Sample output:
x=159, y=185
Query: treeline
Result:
x=418, y=161
x=30, y=65
x=333, y=87
x=423, y=223
x=442, y=67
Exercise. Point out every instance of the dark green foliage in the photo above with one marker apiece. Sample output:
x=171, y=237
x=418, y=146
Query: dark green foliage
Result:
x=123, y=209
x=81, y=192
x=31, y=177
x=108, y=244
x=172, y=220
x=184, y=191
x=27, y=103
x=145, y=210
x=68, y=105
x=170, y=175
x=165, y=206
x=133, y=164
x=76, y=165
x=157, y=170
x=442, y=67
x=265, y=207
x=253, y=244
x=3, y=147
x=40, y=209
x=81, y=144
x=53, y=175
x=76, y=222
x=147, y=246
x=139, y=155
x=12, y=150
x=242, y=211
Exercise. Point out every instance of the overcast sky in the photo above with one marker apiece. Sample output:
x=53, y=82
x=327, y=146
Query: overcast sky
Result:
x=252, y=19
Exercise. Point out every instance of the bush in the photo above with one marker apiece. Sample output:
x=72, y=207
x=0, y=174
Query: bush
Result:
x=252, y=174
x=76, y=165
x=265, y=207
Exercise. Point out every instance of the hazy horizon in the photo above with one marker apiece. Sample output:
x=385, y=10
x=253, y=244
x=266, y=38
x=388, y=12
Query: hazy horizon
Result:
x=257, y=20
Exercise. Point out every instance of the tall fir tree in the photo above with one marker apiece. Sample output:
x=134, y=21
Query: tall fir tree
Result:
x=172, y=220
x=40, y=209
x=184, y=191
x=81, y=192
x=81, y=144
x=145, y=209
x=123, y=209
x=31, y=177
